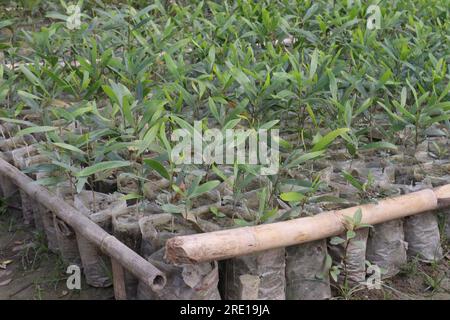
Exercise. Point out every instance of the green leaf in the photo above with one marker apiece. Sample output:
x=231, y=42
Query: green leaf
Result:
x=334, y=272
x=28, y=95
x=292, y=196
x=148, y=139
x=336, y=241
x=131, y=196
x=80, y=183
x=216, y=212
x=158, y=167
x=212, y=56
x=379, y=145
x=303, y=158
x=206, y=187
x=102, y=166
x=110, y=93
x=313, y=66
x=36, y=129
x=29, y=75
x=333, y=84
x=269, y=215
x=328, y=262
x=127, y=111
x=68, y=147
x=352, y=180
x=242, y=223
x=268, y=125
x=6, y=23
x=171, y=65
x=385, y=77
x=350, y=234
x=357, y=217
x=17, y=121
x=213, y=109
x=403, y=97
x=329, y=138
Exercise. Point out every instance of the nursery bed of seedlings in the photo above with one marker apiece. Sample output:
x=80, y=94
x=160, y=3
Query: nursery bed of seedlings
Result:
x=93, y=93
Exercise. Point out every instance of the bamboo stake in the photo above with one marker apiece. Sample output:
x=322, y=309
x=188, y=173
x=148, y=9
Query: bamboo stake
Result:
x=120, y=292
x=229, y=243
x=133, y=262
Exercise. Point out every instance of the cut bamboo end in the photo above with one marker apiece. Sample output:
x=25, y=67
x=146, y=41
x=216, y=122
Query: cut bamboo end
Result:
x=229, y=243
x=443, y=195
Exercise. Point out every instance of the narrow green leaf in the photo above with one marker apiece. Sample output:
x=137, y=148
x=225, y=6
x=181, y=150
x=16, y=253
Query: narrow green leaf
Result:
x=379, y=145
x=329, y=138
x=68, y=147
x=36, y=129
x=102, y=166
x=158, y=167
x=206, y=187
x=292, y=196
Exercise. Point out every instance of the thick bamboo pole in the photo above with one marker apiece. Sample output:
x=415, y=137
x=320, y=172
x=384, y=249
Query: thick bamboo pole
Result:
x=88, y=229
x=224, y=244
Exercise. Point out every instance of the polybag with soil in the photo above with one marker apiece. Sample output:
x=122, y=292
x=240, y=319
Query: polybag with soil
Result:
x=65, y=236
x=23, y=158
x=386, y=247
x=126, y=229
x=259, y=276
x=99, y=208
x=423, y=238
x=188, y=282
x=47, y=218
x=422, y=231
x=352, y=256
x=8, y=189
x=306, y=275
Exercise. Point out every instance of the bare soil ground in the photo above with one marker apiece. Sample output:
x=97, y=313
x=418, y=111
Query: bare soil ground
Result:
x=29, y=271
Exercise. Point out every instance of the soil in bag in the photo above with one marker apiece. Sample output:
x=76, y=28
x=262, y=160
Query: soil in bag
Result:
x=307, y=277
x=423, y=238
x=259, y=276
x=422, y=231
x=65, y=235
x=47, y=218
x=188, y=282
x=386, y=247
x=99, y=208
x=126, y=229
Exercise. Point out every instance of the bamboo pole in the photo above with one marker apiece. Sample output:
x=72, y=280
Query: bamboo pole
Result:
x=133, y=262
x=229, y=243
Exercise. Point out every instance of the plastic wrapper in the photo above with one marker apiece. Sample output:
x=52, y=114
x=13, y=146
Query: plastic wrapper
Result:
x=354, y=256
x=188, y=282
x=259, y=276
x=306, y=274
x=185, y=282
x=99, y=208
x=386, y=247
x=423, y=238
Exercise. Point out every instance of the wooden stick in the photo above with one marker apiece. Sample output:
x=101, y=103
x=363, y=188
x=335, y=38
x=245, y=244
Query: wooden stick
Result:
x=133, y=262
x=224, y=244
x=120, y=292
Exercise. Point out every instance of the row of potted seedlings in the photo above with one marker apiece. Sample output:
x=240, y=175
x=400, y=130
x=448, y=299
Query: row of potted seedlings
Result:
x=145, y=210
